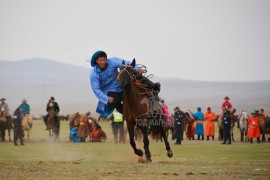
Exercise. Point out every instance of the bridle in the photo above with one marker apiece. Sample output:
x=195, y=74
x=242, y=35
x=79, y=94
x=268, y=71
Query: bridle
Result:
x=125, y=69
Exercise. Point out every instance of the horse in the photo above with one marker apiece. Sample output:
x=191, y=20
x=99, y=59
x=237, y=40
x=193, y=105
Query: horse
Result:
x=27, y=123
x=5, y=124
x=84, y=128
x=262, y=123
x=243, y=125
x=146, y=115
x=73, y=120
x=53, y=127
x=189, y=126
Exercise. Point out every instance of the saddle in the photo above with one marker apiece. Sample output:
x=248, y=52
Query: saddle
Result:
x=3, y=118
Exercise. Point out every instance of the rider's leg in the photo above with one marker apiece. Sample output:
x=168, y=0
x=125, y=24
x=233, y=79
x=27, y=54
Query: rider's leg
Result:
x=118, y=97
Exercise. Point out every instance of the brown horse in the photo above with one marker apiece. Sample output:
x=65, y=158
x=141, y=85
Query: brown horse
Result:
x=189, y=126
x=84, y=128
x=5, y=124
x=53, y=127
x=142, y=109
x=262, y=122
x=27, y=123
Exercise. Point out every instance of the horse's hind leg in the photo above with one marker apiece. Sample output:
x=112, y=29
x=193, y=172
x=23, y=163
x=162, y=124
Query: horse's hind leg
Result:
x=9, y=135
x=168, y=147
x=146, y=143
x=242, y=135
x=132, y=142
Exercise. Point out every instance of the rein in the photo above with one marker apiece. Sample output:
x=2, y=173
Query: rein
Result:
x=136, y=81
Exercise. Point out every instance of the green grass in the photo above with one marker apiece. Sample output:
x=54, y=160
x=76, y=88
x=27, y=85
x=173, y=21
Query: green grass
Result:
x=41, y=159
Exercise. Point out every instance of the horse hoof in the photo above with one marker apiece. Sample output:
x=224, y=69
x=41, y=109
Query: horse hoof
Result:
x=140, y=153
x=144, y=160
x=170, y=153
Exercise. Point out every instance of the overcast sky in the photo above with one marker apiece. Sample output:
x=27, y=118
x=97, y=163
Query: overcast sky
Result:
x=209, y=40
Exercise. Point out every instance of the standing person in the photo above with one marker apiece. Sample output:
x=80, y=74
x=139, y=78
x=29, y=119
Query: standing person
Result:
x=254, y=130
x=17, y=121
x=210, y=117
x=199, y=118
x=165, y=109
x=118, y=126
x=105, y=85
x=226, y=122
x=25, y=108
x=52, y=106
x=178, y=124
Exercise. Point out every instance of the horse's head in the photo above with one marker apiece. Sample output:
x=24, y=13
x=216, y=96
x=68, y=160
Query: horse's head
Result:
x=244, y=114
x=126, y=74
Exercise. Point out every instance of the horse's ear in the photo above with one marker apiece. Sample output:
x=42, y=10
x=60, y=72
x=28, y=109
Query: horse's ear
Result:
x=133, y=63
x=123, y=62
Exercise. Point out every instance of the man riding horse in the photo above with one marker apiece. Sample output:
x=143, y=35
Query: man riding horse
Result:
x=104, y=83
x=52, y=106
x=5, y=119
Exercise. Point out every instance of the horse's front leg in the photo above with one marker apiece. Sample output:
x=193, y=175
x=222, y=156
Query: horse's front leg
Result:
x=168, y=147
x=146, y=143
x=138, y=152
x=28, y=131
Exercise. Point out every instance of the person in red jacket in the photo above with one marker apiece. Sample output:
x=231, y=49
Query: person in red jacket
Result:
x=254, y=130
x=226, y=103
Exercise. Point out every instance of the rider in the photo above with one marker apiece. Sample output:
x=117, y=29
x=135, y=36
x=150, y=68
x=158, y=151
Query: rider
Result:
x=4, y=116
x=52, y=105
x=262, y=113
x=25, y=108
x=105, y=85
x=4, y=107
x=226, y=103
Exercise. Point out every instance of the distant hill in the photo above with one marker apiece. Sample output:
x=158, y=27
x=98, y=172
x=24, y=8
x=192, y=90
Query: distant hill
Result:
x=38, y=79
x=41, y=71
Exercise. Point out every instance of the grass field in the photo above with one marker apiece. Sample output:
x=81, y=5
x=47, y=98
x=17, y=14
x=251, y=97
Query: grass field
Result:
x=41, y=159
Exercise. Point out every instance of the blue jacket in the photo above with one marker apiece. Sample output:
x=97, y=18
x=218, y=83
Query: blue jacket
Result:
x=105, y=81
x=198, y=115
x=74, y=135
x=25, y=108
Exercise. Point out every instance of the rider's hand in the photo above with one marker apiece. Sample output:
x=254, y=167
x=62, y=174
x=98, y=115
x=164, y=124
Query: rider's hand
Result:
x=110, y=100
x=140, y=71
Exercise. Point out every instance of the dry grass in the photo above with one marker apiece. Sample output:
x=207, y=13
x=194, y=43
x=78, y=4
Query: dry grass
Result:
x=41, y=159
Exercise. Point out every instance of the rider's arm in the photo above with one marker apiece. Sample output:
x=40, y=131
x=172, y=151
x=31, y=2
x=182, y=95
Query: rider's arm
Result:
x=117, y=62
x=94, y=80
